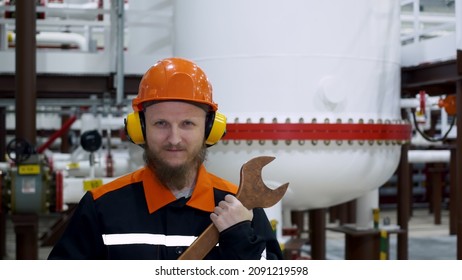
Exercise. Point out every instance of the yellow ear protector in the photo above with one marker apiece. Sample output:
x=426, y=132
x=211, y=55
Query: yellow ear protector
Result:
x=135, y=127
x=215, y=128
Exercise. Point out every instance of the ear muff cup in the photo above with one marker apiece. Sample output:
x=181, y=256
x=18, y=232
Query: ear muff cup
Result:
x=135, y=127
x=215, y=128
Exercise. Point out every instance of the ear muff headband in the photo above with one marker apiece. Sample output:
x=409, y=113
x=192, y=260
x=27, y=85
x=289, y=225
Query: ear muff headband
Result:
x=215, y=129
x=135, y=128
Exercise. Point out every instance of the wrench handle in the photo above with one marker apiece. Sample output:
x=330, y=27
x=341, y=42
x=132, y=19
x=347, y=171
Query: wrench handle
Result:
x=252, y=193
x=202, y=245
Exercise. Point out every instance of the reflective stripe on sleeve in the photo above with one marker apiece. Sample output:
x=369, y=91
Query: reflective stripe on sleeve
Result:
x=147, y=238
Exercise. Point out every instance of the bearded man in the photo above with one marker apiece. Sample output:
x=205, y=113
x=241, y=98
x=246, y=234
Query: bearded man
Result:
x=156, y=212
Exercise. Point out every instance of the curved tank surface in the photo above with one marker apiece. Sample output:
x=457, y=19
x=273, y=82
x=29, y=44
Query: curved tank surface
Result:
x=278, y=62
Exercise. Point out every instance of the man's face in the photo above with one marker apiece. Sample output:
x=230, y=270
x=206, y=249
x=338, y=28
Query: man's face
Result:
x=175, y=132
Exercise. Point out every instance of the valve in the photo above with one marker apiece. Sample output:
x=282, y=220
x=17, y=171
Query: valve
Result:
x=19, y=150
x=449, y=104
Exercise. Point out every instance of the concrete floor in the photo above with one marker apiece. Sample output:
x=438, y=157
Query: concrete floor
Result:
x=427, y=241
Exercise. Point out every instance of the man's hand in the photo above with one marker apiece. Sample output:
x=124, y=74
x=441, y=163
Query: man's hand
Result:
x=229, y=212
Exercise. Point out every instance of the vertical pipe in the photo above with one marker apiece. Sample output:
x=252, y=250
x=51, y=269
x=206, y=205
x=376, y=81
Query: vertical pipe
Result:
x=404, y=186
x=364, y=206
x=120, y=52
x=25, y=71
x=416, y=12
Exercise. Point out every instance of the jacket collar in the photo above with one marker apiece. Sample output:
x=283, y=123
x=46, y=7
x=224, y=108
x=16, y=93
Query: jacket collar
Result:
x=157, y=195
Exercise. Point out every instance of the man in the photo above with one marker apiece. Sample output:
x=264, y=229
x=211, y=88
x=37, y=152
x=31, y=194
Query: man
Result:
x=157, y=211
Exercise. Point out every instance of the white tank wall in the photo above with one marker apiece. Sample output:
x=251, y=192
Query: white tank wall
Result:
x=300, y=59
x=318, y=176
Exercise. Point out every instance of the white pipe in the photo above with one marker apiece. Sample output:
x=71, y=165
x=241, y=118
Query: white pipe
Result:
x=120, y=165
x=415, y=102
x=73, y=188
x=57, y=157
x=63, y=38
x=59, y=38
x=424, y=156
x=428, y=18
x=88, y=5
x=115, y=142
x=109, y=122
x=364, y=206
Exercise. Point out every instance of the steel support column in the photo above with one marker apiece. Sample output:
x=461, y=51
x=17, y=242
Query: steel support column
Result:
x=26, y=225
x=452, y=193
x=404, y=199
x=26, y=230
x=458, y=201
x=26, y=70
x=317, y=220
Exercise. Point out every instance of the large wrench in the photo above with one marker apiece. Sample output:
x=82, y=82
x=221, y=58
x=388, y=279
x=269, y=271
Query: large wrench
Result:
x=252, y=193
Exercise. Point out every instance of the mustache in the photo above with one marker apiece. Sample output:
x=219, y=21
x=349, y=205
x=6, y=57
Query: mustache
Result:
x=173, y=147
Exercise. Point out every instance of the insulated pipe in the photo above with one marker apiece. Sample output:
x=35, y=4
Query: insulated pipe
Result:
x=90, y=121
x=79, y=165
x=415, y=103
x=423, y=156
x=73, y=190
x=61, y=38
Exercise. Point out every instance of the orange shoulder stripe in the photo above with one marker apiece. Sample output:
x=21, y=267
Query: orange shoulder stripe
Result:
x=222, y=184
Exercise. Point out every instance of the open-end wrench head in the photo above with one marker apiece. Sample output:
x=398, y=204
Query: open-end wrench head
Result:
x=256, y=163
x=253, y=192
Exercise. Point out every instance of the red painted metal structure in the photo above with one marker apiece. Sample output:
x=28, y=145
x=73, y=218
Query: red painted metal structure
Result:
x=57, y=134
x=317, y=131
x=59, y=191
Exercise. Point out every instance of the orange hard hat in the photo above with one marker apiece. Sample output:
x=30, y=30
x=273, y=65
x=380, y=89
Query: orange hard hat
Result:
x=174, y=79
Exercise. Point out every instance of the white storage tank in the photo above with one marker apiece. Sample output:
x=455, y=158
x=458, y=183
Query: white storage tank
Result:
x=310, y=62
